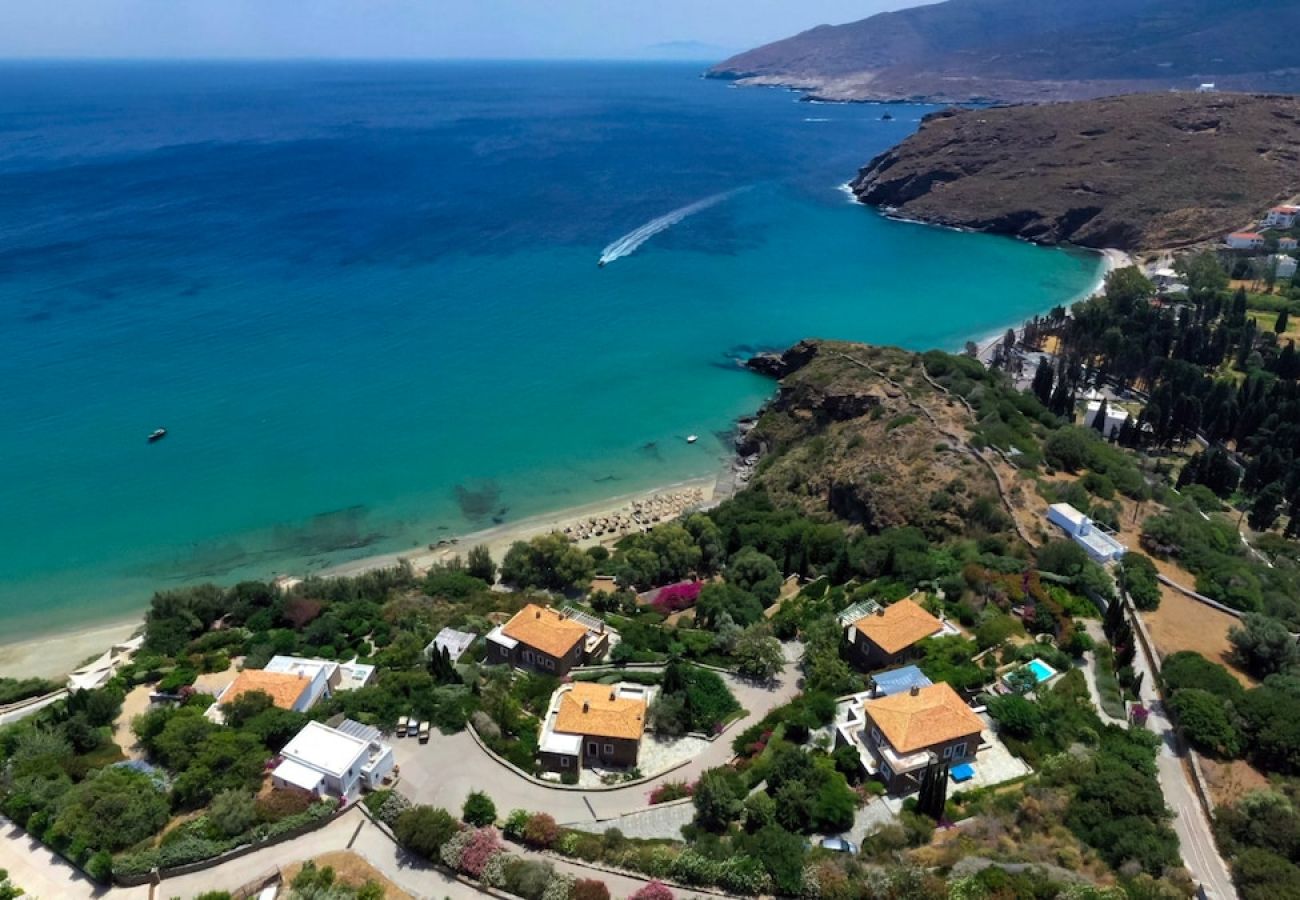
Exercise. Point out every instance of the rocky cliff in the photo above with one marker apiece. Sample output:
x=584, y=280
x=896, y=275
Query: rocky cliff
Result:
x=1132, y=172
x=857, y=432
x=1036, y=50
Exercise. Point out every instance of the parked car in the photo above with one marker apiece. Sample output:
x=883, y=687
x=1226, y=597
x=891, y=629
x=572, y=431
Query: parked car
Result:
x=424, y=732
x=412, y=725
x=838, y=845
x=401, y=726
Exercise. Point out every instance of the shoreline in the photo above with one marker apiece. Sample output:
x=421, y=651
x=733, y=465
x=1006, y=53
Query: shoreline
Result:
x=58, y=653
x=1111, y=261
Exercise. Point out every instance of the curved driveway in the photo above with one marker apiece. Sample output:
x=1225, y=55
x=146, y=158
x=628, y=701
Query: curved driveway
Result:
x=445, y=771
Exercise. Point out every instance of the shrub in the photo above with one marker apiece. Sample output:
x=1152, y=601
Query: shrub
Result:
x=515, y=824
x=479, y=809
x=232, y=812
x=280, y=804
x=483, y=844
x=527, y=878
x=590, y=889
x=541, y=831
x=671, y=790
x=654, y=890
x=426, y=831
x=560, y=887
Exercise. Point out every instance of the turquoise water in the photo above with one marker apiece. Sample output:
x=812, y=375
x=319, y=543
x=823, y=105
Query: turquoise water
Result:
x=1041, y=670
x=364, y=300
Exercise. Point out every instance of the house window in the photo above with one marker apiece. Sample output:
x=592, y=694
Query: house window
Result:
x=947, y=752
x=887, y=772
x=528, y=656
x=564, y=762
x=550, y=663
x=875, y=735
x=959, y=750
x=609, y=749
x=593, y=749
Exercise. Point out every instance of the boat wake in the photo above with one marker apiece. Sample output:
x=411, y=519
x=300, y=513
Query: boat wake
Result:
x=632, y=241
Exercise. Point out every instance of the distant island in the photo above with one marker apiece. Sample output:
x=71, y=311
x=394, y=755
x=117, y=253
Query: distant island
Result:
x=1134, y=173
x=1046, y=50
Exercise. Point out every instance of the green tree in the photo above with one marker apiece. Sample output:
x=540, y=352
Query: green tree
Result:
x=479, y=810
x=1279, y=326
x=112, y=809
x=782, y=854
x=1017, y=716
x=1263, y=645
x=424, y=829
x=718, y=799
x=232, y=812
x=8, y=890
x=1205, y=722
x=1262, y=875
x=1266, y=508
x=480, y=565
x=756, y=573
x=758, y=655
x=547, y=561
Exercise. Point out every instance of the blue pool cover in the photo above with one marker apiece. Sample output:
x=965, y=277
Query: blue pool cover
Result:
x=964, y=772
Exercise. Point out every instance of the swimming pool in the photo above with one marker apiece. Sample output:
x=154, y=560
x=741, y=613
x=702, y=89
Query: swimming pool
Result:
x=1041, y=670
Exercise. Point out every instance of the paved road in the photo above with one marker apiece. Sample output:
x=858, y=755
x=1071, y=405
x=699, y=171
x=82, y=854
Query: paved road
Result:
x=1195, y=837
x=442, y=772
x=445, y=771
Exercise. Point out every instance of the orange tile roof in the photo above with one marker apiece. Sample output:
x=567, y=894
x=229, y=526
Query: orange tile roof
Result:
x=544, y=629
x=593, y=709
x=933, y=715
x=283, y=689
x=899, y=626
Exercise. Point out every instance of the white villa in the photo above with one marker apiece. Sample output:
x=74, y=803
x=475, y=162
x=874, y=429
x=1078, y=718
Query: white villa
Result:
x=1286, y=265
x=1086, y=533
x=453, y=641
x=1282, y=216
x=334, y=762
x=1115, y=418
x=1244, y=240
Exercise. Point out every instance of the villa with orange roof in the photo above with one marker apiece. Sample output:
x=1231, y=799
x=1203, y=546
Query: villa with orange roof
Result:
x=886, y=636
x=592, y=725
x=295, y=691
x=547, y=640
x=904, y=732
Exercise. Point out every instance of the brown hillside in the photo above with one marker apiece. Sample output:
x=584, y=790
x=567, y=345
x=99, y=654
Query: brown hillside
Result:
x=1131, y=172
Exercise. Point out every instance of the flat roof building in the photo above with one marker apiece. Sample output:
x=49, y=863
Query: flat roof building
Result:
x=335, y=762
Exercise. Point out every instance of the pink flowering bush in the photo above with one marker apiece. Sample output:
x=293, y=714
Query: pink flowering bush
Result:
x=677, y=597
x=655, y=890
x=483, y=844
x=671, y=790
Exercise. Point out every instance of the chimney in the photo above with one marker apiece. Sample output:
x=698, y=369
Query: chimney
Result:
x=915, y=690
x=613, y=694
x=880, y=610
x=586, y=707
x=538, y=614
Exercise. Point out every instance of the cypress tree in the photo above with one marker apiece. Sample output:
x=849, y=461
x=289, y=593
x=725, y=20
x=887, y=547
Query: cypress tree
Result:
x=1280, y=325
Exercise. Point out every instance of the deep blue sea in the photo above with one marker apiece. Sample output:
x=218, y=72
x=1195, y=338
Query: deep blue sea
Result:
x=365, y=301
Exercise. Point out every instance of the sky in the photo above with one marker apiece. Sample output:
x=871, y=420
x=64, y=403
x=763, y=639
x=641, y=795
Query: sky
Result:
x=406, y=28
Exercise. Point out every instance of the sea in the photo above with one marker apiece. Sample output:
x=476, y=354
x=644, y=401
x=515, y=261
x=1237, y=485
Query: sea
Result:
x=366, y=302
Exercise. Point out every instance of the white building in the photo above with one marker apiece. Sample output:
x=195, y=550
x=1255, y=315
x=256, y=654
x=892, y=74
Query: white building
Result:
x=1244, y=240
x=1286, y=265
x=334, y=762
x=1282, y=217
x=1115, y=418
x=1288, y=243
x=1086, y=533
x=453, y=641
x=323, y=674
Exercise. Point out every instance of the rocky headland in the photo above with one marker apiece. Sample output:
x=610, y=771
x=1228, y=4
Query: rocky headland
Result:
x=1134, y=172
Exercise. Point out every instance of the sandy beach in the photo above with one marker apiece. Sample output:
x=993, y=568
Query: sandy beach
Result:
x=1111, y=260
x=50, y=656
x=685, y=494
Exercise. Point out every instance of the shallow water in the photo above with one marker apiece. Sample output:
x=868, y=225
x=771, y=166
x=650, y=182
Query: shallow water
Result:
x=364, y=300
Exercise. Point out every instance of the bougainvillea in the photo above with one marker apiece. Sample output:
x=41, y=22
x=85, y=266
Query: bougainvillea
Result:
x=676, y=597
x=483, y=844
x=655, y=890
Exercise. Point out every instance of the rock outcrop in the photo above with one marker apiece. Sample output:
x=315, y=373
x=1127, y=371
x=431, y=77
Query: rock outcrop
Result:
x=1133, y=172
